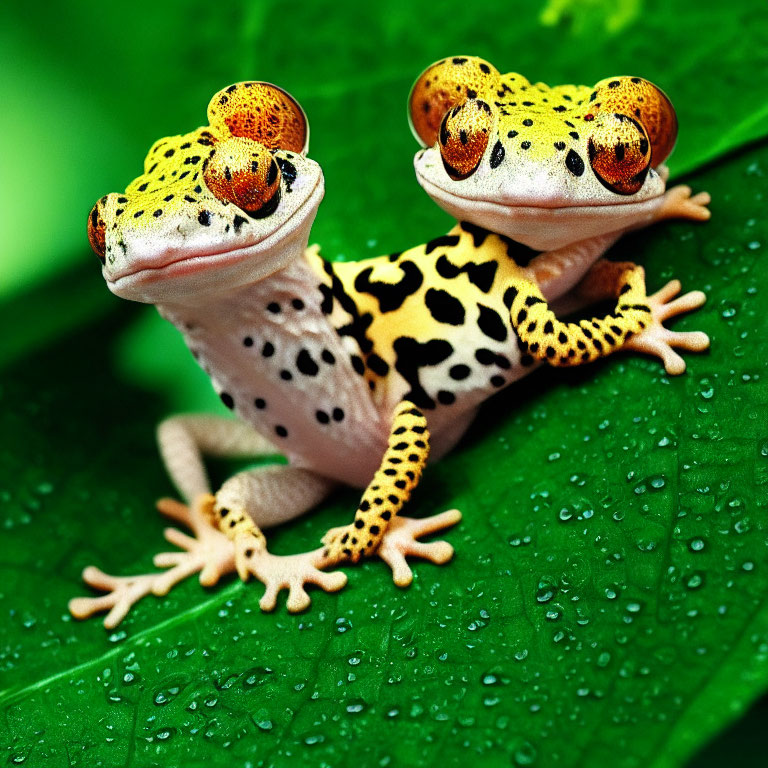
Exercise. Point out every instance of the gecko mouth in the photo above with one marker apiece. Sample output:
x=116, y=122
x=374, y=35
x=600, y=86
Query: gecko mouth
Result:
x=182, y=265
x=542, y=207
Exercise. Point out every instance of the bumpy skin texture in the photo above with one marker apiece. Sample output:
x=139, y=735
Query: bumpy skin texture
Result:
x=357, y=371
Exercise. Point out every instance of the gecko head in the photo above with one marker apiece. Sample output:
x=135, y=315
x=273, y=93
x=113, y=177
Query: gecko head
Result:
x=545, y=166
x=225, y=205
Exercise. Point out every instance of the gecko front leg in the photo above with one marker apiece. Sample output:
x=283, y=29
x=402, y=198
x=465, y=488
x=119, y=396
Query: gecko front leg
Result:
x=377, y=527
x=543, y=337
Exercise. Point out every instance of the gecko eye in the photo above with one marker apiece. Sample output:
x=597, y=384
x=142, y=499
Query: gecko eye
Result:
x=97, y=230
x=261, y=112
x=646, y=103
x=463, y=137
x=245, y=173
x=619, y=152
x=443, y=86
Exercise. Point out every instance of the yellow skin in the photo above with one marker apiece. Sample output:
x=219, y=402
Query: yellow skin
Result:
x=354, y=371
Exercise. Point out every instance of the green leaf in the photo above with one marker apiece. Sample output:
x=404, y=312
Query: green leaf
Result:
x=607, y=603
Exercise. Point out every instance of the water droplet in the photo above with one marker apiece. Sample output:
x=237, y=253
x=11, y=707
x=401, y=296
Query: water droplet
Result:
x=545, y=592
x=525, y=754
x=521, y=654
x=695, y=580
x=696, y=545
x=489, y=679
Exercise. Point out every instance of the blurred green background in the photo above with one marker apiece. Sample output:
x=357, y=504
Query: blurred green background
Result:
x=607, y=604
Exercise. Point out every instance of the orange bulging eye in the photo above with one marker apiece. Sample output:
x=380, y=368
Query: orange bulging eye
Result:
x=444, y=85
x=644, y=102
x=245, y=173
x=261, y=112
x=463, y=137
x=619, y=152
x=97, y=230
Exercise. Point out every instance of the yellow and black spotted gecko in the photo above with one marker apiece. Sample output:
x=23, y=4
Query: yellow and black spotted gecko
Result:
x=358, y=371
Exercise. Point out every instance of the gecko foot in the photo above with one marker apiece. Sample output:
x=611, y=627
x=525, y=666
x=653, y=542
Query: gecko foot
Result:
x=679, y=203
x=291, y=572
x=400, y=540
x=659, y=341
x=209, y=552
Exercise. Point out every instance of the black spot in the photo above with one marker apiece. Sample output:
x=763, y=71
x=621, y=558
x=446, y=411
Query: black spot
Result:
x=358, y=364
x=226, y=398
x=338, y=414
x=306, y=364
x=377, y=365
x=297, y=304
x=497, y=155
x=446, y=240
x=238, y=222
x=444, y=307
x=328, y=357
x=391, y=295
x=322, y=417
x=491, y=324
x=614, y=84
x=413, y=355
x=560, y=145
x=482, y=275
x=574, y=163
x=528, y=122
x=247, y=341
x=281, y=431
x=288, y=171
x=260, y=403
x=497, y=381
x=286, y=375
x=446, y=398
x=268, y=349
x=512, y=134
x=273, y=307
x=525, y=145
x=479, y=234
x=509, y=297
x=204, y=218
x=326, y=305
x=574, y=135
x=459, y=372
